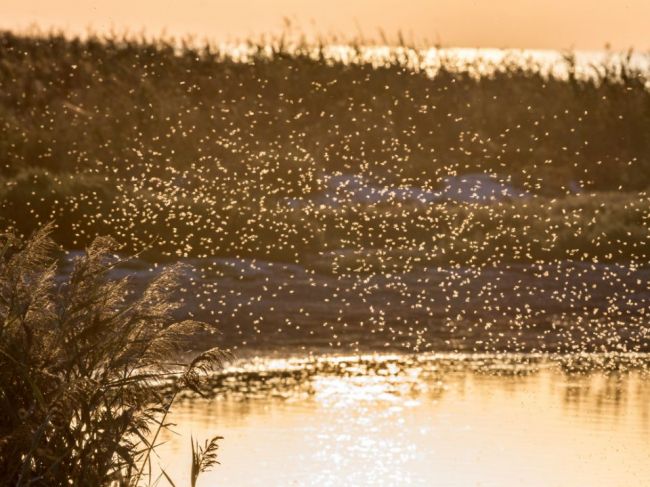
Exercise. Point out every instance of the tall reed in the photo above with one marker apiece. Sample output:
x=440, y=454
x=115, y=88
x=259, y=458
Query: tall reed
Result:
x=87, y=370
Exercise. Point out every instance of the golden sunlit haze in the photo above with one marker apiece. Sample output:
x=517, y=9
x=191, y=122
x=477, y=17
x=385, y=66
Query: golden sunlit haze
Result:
x=552, y=24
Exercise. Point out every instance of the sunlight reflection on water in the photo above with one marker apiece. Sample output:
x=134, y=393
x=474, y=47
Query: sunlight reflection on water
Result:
x=476, y=61
x=427, y=425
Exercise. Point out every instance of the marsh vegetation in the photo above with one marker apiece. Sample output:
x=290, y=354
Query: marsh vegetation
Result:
x=209, y=152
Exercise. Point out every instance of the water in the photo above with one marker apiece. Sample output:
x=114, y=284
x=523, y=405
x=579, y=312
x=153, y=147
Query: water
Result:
x=416, y=421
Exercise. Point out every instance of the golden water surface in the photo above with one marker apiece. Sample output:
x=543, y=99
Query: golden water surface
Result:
x=415, y=426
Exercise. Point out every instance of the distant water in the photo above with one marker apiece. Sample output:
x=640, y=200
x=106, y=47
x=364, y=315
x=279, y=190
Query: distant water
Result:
x=452, y=421
x=477, y=61
x=263, y=307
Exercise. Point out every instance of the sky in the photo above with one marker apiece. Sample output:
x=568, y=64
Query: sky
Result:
x=541, y=24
